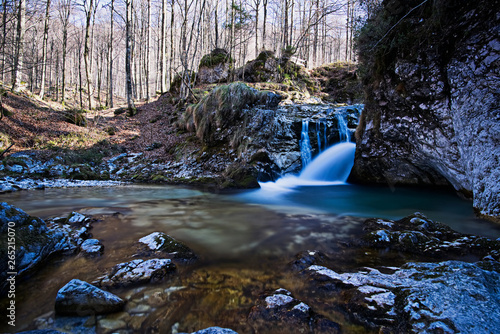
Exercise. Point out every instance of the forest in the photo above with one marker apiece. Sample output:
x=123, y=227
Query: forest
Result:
x=91, y=51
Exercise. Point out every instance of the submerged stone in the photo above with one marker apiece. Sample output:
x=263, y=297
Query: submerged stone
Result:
x=281, y=313
x=92, y=247
x=81, y=298
x=136, y=272
x=214, y=330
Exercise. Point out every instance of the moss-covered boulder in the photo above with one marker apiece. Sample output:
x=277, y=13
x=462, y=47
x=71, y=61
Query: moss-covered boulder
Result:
x=222, y=108
x=262, y=69
x=25, y=242
x=175, y=85
x=214, y=67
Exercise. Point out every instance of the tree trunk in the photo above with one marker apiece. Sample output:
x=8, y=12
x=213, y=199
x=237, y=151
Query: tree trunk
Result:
x=148, y=38
x=172, y=43
x=163, y=36
x=19, y=52
x=111, y=56
x=128, y=58
x=44, y=48
x=86, y=53
x=4, y=36
x=264, y=4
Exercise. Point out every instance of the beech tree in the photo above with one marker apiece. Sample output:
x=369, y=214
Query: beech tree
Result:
x=126, y=49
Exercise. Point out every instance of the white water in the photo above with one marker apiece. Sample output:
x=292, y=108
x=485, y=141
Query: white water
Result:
x=331, y=167
x=305, y=143
x=344, y=134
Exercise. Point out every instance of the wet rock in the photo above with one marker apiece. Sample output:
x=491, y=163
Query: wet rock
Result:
x=419, y=235
x=136, y=272
x=25, y=242
x=77, y=218
x=446, y=297
x=214, y=330
x=81, y=298
x=281, y=313
x=160, y=242
x=42, y=331
x=92, y=247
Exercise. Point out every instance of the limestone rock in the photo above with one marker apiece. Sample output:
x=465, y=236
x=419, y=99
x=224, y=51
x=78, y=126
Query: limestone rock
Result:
x=160, y=242
x=432, y=114
x=92, y=247
x=446, y=297
x=81, y=298
x=214, y=330
x=136, y=272
x=25, y=241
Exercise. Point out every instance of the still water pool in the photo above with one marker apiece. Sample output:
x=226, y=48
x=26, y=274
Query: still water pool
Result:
x=244, y=240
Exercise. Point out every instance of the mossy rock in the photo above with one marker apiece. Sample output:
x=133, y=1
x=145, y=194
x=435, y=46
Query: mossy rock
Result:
x=175, y=85
x=216, y=57
x=76, y=116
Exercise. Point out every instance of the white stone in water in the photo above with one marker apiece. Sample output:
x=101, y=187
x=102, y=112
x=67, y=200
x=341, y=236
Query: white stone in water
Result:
x=278, y=300
x=383, y=299
x=92, y=246
x=302, y=307
x=76, y=218
x=154, y=240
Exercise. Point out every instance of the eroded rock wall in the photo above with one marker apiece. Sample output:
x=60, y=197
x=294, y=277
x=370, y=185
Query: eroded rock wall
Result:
x=432, y=116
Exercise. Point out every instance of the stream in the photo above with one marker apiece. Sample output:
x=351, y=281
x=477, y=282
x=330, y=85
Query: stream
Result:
x=244, y=241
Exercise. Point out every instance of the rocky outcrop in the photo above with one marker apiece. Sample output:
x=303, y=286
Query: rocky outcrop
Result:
x=258, y=137
x=432, y=114
x=26, y=242
x=446, y=297
x=214, y=67
x=81, y=298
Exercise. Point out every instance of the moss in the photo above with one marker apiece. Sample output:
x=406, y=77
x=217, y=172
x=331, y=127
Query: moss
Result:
x=216, y=57
x=75, y=116
x=159, y=178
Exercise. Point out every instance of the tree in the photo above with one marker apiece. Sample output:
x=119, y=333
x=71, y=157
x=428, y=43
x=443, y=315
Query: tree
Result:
x=128, y=58
x=18, y=57
x=44, y=48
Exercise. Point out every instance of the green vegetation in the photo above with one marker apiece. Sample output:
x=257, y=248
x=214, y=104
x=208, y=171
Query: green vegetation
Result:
x=216, y=57
x=412, y=29
x=76, y=116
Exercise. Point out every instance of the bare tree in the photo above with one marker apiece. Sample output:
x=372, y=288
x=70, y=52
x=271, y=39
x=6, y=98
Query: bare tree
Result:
x=18, y=58
x=44, y=48
x=128, y=58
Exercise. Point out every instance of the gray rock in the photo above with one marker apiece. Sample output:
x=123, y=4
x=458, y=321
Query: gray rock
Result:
x=15, y=169
x=447, y=297
x=214, y=330
x=161, y=242
x=30, y=240
x=92, y=247
x=81, y=298
x=136, y=272
x=434, y=117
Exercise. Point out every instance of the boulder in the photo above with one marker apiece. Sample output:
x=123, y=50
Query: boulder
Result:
x=446, y=297
x=214, y=67
x=136, y=272
x=25, y=242
x=418, y=234
x=81, y=298
x=159, y=242
x=92, y=247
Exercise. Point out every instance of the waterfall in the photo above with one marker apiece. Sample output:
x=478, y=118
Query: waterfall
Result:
x=321, y=136
x=333, y=165
x=305, y=143
x=344, y=133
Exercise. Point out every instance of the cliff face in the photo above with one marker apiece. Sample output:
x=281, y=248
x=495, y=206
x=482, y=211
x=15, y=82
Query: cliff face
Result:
x=432, y=114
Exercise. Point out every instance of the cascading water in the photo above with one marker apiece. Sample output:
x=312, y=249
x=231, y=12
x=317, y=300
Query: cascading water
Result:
x=333, y=165
x=305, y=143
x=321, y=135
x=344, y=133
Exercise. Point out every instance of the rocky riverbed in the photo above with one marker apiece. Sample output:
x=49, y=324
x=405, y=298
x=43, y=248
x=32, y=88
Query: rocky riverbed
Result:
x=432, y=279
